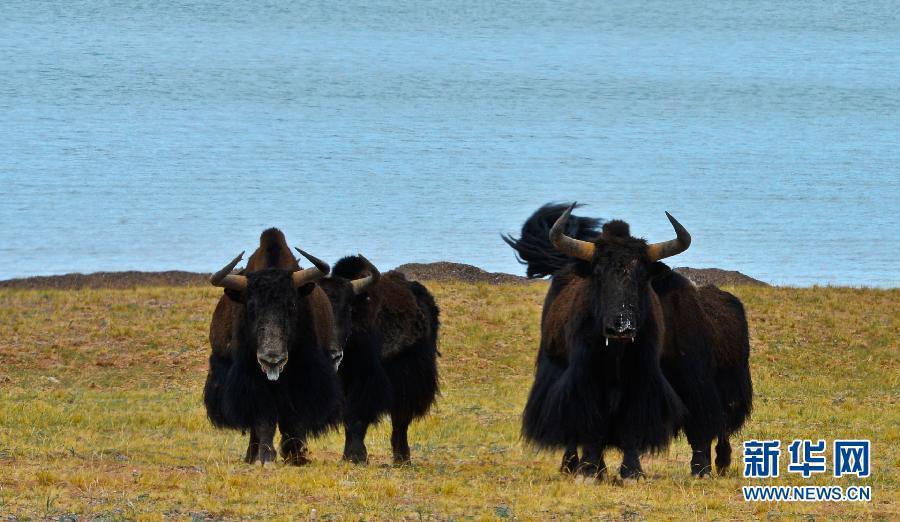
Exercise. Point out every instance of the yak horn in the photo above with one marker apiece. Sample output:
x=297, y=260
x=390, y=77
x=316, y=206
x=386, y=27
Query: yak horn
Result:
x=310, y=275
x=672, y=247
x=318, y=263
x=360, y=285
x=572, y=247
x=225, y=279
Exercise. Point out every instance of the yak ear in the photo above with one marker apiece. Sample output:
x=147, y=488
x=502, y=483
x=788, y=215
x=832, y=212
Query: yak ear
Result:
x=236, y=296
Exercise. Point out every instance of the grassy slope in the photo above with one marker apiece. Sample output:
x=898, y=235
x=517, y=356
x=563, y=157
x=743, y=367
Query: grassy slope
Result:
x=100, y=414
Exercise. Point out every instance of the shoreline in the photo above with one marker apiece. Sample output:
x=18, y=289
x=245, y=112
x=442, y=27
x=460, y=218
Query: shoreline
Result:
x=441, y=271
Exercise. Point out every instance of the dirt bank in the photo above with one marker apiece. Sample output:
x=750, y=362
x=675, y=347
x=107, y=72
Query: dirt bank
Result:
x=718, y=277
x=446, y=271
x=439, y=271
x=128, y=279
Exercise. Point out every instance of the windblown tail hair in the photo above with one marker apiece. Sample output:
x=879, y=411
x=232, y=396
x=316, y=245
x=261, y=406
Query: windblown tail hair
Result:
x=534, y=249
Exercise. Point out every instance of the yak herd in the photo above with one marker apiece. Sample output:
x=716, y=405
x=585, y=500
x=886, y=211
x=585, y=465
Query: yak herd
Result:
x=632, y=354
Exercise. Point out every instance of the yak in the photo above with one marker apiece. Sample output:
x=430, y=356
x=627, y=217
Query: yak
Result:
x=270, y=335
x=631, y=352
x=388, y=327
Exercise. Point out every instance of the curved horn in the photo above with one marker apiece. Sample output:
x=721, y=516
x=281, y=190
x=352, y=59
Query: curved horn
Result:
x=576, y=248
x=360, y=285
x=318, y=263
x=310, y=275
x=225, y=279
x=672, y=247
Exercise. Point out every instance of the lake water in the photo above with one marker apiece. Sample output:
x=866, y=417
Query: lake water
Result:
x=167, y=135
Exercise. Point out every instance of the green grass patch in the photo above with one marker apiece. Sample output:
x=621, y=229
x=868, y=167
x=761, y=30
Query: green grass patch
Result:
x=101, y=416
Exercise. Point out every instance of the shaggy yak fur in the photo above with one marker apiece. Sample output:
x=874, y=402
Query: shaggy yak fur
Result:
x=685, y=368
x=390, y=353
x=306, y=399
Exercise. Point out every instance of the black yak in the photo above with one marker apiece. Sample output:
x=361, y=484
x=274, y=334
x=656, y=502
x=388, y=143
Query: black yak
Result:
x=269, y=366
x=389, y=328
x=630, y=352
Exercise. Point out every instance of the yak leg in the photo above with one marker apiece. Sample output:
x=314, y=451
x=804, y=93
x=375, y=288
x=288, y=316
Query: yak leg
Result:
x=723, y=454
x=399, y=441
x=265, y=437
x=252, y=448
x=700, y=456
x=293, y=445
x=293, y=440
x=355, y=441
x=570, y=459
x=591, y=468
x=294, y=449
x=631, y=465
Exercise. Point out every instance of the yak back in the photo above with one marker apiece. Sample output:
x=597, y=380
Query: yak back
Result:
x=710, y=324
x=399, y=311
x=707, y=315
x=726, y=313
x=273, y=252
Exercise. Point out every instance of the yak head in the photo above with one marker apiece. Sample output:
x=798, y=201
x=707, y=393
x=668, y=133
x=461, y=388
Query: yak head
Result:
x=270, y=296
x=342, y=289
x=621, y=269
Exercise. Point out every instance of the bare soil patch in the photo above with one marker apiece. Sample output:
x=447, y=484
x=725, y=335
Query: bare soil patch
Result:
x=446, y=271
x=439, y=271
x=718, y=277
x=127, y=279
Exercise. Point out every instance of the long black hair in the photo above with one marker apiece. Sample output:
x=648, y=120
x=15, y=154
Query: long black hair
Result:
x=534, y=249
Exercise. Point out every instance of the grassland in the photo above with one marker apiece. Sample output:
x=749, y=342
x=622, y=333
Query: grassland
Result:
x=100, y=416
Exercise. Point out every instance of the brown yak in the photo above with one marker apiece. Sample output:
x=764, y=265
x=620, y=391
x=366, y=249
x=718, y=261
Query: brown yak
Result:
x=631, y=352
x=388, y=327
x=270, y=336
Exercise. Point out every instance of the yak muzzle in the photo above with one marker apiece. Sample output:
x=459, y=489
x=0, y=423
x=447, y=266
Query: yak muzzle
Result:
x=622, y=326
x=272, y=365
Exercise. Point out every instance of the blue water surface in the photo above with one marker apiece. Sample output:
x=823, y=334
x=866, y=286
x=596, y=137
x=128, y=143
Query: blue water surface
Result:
x=167, y=135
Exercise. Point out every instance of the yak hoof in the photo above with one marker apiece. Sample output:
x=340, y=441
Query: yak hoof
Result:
x=723, y=467
x=701, y=471
x=357, y=458
x=402, y=461
x=569, y=464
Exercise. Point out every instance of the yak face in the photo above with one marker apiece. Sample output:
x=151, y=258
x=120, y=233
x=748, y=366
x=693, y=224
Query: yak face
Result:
x=620, y=274
x=340, y=293
x=270, y=318
x=270, y=295
x=621, y=266
x=352, y=278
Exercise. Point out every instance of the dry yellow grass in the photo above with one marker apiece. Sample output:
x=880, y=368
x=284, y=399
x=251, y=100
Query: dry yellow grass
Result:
x=101, y=416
